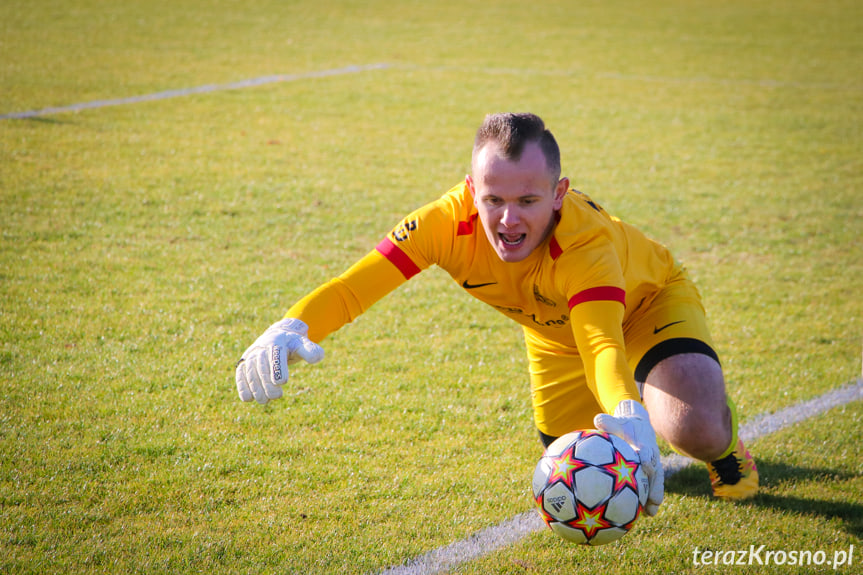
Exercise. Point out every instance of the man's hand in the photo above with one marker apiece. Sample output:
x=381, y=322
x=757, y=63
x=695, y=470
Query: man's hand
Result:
x=631, y=423
x=264, y=366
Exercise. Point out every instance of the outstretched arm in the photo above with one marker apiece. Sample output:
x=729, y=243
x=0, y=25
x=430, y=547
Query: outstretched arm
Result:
x=263, y=368
x=344, y=298
x=599, y=335
x=410, y=247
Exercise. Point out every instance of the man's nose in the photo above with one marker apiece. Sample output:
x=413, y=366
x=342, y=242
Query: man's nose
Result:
x=510, y=216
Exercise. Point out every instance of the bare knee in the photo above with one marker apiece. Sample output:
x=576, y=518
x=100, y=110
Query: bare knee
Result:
x=685, y=396
x=701, y=434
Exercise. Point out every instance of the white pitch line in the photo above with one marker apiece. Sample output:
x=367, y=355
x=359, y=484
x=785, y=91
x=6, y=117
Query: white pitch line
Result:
x=768, y=83
x=195, y=90
x=513, y=530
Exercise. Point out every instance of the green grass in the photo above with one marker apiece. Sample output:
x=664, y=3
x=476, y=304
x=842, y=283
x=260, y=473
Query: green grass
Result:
x=145, y=246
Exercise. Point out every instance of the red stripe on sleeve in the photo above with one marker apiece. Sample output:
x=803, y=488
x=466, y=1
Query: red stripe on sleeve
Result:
x=466, y=228
x=602, y=293
x=555, y=250
x=398, y=258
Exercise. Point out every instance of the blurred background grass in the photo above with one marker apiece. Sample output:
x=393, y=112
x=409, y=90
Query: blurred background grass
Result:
x=145, y=246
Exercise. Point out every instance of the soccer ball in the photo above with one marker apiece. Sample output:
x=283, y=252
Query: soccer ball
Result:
x=590, y=487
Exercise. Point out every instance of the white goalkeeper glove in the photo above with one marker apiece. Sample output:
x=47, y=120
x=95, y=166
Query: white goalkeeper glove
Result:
x=631, y=423
x=263, y=367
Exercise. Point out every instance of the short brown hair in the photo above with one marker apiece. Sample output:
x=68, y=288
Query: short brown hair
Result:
x=512, y=131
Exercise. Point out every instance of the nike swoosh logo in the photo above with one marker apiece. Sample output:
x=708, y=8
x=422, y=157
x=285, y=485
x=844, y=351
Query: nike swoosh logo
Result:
x=659, y=329
x=466, y=285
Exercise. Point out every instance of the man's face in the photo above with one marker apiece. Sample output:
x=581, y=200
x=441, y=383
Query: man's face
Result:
x=516, y=200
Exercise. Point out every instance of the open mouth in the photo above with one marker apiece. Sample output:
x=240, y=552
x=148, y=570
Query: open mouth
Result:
x=512, y=239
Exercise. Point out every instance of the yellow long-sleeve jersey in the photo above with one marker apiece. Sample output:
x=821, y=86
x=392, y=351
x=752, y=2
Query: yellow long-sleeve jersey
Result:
x=572, y=295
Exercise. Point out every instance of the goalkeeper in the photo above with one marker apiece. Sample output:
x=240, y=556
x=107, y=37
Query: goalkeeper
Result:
x=615, y=330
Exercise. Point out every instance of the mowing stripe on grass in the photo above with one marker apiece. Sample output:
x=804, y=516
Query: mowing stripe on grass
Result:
x=196, y=90
x=209, y=88
x=852, y=86
x=523, y=524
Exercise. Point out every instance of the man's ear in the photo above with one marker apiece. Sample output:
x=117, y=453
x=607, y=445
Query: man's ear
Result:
x=560, y=192
x=469, y=182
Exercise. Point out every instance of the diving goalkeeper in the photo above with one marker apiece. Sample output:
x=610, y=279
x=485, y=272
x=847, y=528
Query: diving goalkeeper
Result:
x=615, y=331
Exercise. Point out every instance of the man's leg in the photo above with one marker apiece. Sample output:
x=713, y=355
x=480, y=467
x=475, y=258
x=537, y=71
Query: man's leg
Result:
x=684, y=390
x=685, y=397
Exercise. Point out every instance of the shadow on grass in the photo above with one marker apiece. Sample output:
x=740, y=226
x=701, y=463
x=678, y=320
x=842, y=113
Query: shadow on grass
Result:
x=45, y=120
x=693, y=481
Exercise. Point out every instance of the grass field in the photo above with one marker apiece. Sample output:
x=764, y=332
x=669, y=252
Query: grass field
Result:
x=145, y=246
